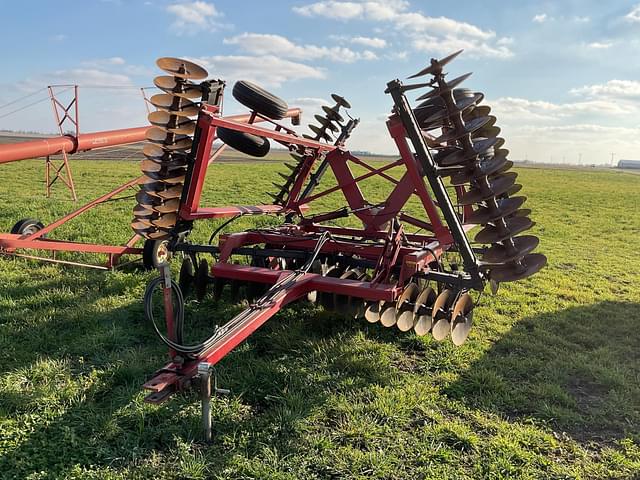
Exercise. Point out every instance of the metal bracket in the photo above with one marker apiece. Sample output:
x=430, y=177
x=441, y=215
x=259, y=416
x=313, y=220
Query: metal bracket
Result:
x=205, y=372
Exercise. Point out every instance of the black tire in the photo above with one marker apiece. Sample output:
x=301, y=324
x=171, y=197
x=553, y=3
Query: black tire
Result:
x=244, y=142
x=257, y=98
x=27, y=226
x=155, y=254
x=187, y=275
x=202, y=280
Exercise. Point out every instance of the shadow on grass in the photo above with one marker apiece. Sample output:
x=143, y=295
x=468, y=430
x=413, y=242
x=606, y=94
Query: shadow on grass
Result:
x=576, y=370
x=71, y=395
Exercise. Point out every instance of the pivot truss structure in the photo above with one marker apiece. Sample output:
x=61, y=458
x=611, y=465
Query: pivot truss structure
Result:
x=395, y=267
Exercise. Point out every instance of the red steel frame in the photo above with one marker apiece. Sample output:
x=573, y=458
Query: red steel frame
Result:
x=178, y=373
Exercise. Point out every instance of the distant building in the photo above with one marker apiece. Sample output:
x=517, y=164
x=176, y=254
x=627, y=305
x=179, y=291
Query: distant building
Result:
x=629, y=164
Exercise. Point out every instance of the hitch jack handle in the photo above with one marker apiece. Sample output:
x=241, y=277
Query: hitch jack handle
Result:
x=205, y=372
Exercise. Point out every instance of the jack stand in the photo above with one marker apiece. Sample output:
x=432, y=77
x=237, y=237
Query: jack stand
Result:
x=206, y=371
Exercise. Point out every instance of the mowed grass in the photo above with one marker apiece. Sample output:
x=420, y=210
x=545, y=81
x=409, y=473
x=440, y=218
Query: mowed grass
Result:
x=547, y=387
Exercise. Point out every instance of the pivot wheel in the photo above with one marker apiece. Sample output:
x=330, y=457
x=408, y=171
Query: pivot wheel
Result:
x=27, y=226
x=155, y=254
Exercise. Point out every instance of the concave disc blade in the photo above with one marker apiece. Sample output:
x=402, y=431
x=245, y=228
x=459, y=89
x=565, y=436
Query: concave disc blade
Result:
x=325, y=122
x=170, y=206
x=168, y=163
x=175, y=105
x=319, y=133
x=170, y=193
x=405, y=306
x=512, y=272
x=422, y=311
x=499, y=254
x=147, y=199
x=461, y=106
x=181, y=68
x=388, y=316
x=151, y=185
x=170, y=85
x=513, y=190
x=372, y=312
x=436, y=65
x=487, y=131
x=497, y=186
x=483, y=169
x=160, y=135
x=184, y=128
x=166, y=220
x=515, y=225
x=146, y=221
x=484, y=215
x=441, y=315
x=479, y=111
x=459, y=157
x=171, y=123
x=461, y=319
x=154, y=152
x=142, y=211
x=469, y=127
x=340, y=100
x=170, y=178
x=441, y=90
x=332, y=114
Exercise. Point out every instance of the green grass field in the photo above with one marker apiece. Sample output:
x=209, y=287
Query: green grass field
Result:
x=547, y=387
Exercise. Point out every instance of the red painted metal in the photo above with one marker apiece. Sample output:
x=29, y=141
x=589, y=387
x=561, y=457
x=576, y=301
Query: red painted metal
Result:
x=12, y=152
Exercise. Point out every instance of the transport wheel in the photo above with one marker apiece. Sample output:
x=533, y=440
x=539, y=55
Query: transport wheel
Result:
x=155, y=254
x=257, y=98
x=202, y=279
x=244, y=142
x=187, y=275
x=27, y=226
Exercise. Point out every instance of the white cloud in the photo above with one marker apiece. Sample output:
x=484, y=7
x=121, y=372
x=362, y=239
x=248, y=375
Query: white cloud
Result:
x=516, y=110
x=584, y=19
x=540, y=18
x=425, y=32
x=372, y=42
x=310, y=106
x=119, y=65
x=374, y=10
x=193, y=17
x=613, y=89
x=600, y=45
x=634, y=15
x=266, y=70
x=446, y=45
x=268, y=44
x=104, y=62
x=85, y=77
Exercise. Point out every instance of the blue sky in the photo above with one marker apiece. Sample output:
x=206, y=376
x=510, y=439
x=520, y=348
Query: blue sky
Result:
x=562, y=77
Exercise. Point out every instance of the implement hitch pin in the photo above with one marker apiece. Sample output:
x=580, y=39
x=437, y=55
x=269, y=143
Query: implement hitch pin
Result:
x=206, y=371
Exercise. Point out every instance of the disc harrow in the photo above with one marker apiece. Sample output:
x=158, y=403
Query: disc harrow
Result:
x=394, y=268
